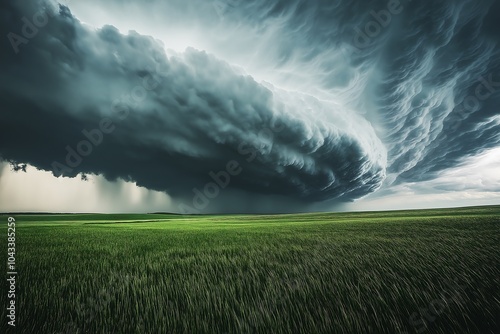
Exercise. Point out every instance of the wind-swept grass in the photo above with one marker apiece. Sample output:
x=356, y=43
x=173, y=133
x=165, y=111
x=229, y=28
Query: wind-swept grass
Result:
x=434, y=271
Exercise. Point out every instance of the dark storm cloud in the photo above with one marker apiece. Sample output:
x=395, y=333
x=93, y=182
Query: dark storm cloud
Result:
x=435, y=81
x=426, y=74
x=442, y=88
x=412, y=89
x=167, y=122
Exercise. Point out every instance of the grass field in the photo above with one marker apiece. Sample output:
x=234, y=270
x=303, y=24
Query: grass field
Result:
x=433, y=271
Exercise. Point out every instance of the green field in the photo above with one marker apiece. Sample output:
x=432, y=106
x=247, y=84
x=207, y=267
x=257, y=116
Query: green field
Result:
x=433, y=271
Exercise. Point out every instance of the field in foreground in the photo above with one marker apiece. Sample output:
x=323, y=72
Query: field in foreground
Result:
x=433, y=271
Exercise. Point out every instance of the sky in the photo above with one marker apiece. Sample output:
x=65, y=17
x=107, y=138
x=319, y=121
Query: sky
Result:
x=200, y=106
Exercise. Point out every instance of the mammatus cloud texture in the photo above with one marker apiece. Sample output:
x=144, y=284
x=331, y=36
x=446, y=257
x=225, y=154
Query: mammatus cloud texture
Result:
x=359, y=97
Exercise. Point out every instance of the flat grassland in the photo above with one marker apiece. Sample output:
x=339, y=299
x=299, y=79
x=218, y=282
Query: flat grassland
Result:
x=429, y=271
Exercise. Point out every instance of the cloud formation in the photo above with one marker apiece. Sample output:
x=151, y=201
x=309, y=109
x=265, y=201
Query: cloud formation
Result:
x=356, y=96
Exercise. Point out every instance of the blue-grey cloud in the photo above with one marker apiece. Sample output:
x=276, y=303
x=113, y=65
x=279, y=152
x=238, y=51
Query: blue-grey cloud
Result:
x=175, y=119
x=403, y=89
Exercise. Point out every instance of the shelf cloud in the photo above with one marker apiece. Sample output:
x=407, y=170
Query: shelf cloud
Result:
x=303, y=103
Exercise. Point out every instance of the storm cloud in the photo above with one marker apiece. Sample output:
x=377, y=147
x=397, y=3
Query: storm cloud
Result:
x=356, y=97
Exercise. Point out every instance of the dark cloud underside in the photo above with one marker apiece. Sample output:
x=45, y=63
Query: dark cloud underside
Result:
x=400, y=103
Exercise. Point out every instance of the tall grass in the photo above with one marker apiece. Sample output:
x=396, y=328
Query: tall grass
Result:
x=418, y=271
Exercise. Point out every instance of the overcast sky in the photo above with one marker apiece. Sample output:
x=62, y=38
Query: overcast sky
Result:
x=248, y=106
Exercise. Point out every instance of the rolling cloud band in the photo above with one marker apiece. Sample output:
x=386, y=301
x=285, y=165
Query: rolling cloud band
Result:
x=393, y=92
